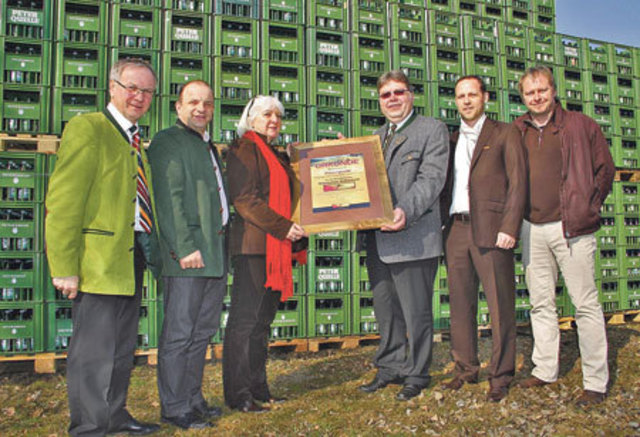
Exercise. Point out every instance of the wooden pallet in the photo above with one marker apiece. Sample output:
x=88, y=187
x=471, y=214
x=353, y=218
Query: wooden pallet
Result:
x=627, y=175
x=29, y=143
x=297, y=344
x=350, y=342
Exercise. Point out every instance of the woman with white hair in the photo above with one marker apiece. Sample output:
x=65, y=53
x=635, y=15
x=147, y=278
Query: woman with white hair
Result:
x=260, y=185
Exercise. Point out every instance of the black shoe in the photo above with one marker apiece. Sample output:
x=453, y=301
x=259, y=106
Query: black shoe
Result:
x=251, y=407
x=496, y=394
x=408, y=391
x=190, y=420
x=208, y=412
x=378, y=383
x=133, y=427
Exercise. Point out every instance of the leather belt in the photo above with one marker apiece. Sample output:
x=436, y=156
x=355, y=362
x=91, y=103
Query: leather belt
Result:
x=461, y=217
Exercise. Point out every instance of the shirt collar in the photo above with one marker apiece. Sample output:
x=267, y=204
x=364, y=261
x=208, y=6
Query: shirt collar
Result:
x=122, y=121
x=403, y=122
x=206, y=137
x=476, y=127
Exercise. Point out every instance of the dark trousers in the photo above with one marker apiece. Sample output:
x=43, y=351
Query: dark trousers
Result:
x=192, y=309
x=244, y=360
x=402, y=300
x=495, y=268
x=100, y=358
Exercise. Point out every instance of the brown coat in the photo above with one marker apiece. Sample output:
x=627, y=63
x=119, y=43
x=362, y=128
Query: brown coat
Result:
x=248, y=185
x=497, y=184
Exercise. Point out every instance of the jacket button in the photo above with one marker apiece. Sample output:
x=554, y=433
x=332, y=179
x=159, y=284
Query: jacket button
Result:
x=133, y=152
x=133, y=223
x=131, y=249
x=134, y=200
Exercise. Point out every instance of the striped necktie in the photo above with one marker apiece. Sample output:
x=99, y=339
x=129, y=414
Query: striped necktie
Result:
x=389, y=137
x=144, y=200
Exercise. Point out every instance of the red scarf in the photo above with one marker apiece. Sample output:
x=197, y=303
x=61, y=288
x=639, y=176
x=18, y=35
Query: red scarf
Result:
x=279, y=277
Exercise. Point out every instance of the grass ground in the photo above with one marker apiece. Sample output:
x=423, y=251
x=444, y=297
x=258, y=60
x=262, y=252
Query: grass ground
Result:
x=324, y=400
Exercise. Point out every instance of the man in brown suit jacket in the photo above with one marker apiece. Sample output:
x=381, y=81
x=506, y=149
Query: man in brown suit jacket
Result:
x=483, y=199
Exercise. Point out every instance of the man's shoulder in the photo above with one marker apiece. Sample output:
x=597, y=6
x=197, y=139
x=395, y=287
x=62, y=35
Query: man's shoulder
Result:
x=421, y=121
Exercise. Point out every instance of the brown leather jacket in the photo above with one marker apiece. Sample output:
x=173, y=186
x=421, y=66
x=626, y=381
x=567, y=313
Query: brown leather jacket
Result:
x=587, y=169
x=248, y=185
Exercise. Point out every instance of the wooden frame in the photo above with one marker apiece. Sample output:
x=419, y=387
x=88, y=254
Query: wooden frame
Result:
x=342, y=185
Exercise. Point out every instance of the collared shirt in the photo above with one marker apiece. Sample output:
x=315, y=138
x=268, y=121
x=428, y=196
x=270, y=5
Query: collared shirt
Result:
x=206, y=137
x=465, y=147
x=216, y=168
x=127, y=126
x=403, y=122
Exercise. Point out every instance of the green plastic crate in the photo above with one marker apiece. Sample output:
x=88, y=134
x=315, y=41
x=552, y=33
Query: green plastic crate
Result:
x=330, y=15
x=622, y=61
x=483, y=64
x=201, y=6
x=329, y=89
x=480, y=34
x=441, y=310
x=363, y=316
x=21, y=278
x=365, y=94
x=574, y=84
x=235, y=38
x=512, y=106
x=444, y=102
x=630, y=293
x=178, y=70
x=542, y=47
x=21, y=329
x=408, y=24
x=445, y=64
x=444, y=29
x=290, y=320
x=328, y=272
x=369, y=18
x=329, y=315
x=235, y=82
x=26, y=62
x=225, y=120
x=469, y=7
x=599, y=87
x=285, y=82
x=517, y=13
x=24, y=109
x=67, y=103
x=21, y=228
x=569, y=51
x=27, y=20
x=325, y=124
x=624, y=121
x=81, y=22
x=411, y=59
x=625, y=155
x=630, y=263
x=602, y=114
x=366, y=123
x=237, y=8
x=628, y=231
x=610, y=295
x=135, y=28
x=607, y=263
x=371, y=55
x=330, y=242
x=597, y=55
x=293, y=125
x=186, y=33
x=81, y=67
x=493, y=9
x=513, y=40
x=59, y=326
x=284, y=11
x=328, y=50
x=627, y=198
x=148, y=327
x=360, y=282
x=22, y=177
x=626, y=91
x=442, y=5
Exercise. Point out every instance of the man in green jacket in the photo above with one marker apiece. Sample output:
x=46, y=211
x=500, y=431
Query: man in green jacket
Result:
x=192, y=214
x=99, y=230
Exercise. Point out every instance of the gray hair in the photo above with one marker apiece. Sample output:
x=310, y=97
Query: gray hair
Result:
x=256, y=106
x=122, y=64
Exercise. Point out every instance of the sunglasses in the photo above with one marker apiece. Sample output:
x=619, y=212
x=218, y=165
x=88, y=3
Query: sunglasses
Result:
x=397, y=93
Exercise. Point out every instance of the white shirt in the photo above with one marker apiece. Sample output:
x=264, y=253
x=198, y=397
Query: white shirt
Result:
x=126, y=126
x=223, y=195
x=462, y=165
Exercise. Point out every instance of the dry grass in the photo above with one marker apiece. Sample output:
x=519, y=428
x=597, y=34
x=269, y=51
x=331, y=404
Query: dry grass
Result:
x=324, y=399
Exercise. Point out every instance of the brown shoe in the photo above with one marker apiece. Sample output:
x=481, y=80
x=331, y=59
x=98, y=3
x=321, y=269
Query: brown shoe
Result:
x=496, y=394
x=455, y=384
x=532, y=381
x=589, y=397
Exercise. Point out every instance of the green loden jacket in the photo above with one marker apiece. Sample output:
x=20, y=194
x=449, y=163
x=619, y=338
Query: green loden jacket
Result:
x=91, y=205
x=187, y=200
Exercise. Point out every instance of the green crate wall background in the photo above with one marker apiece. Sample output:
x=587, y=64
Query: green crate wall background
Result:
x=321, y=59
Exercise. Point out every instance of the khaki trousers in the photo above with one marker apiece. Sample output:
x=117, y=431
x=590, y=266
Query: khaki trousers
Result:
x=544, y=250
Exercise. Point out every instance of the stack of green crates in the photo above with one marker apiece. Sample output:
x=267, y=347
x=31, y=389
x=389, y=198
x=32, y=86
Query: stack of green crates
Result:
x=22, y=186
x=25, y=56
x=322, y=60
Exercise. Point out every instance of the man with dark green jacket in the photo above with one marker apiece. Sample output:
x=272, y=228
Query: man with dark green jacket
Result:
x=192, y=214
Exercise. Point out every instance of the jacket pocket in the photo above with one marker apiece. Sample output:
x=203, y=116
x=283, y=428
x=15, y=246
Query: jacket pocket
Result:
x=102, y=232
x=412, y=156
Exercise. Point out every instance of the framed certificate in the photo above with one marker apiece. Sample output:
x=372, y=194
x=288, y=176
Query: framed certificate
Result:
x=342, y=185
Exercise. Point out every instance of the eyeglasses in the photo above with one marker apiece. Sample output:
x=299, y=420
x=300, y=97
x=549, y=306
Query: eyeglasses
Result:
x=132, y=89
x=397, y=93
